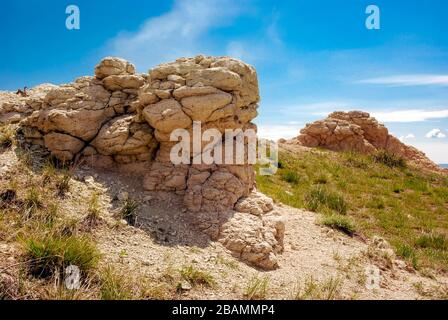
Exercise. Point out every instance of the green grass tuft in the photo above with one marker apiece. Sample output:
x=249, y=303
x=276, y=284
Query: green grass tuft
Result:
x=50, y=254
x=7, y=134
x=290, y=177
x=257, y=288
x=128, y=211
x=340, y=223
x=197, y=277
x=389, y=159
x=432, y=241
x=319, y=196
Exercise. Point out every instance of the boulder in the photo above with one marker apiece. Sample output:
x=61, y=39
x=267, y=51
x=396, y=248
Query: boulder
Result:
x=122, y=136
x=111, y=66
x=63, y=146
x=201, y=108
x=166, y=116
x=120, y=82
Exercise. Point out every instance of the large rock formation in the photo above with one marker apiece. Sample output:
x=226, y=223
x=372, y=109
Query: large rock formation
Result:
x=357, y=131
x=120, y=117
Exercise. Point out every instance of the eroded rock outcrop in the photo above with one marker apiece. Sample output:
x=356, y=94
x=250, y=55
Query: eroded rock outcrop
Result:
x=358, y=131
x=121, y=117
x=220, y=93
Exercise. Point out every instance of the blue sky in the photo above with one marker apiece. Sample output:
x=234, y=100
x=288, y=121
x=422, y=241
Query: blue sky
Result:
x=312, y=57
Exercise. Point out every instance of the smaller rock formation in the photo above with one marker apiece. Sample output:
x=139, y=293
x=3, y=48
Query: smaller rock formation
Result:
x=358, y=131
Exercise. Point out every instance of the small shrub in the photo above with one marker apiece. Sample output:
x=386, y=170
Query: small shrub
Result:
x=340, y=223
x=50, y=254
x=321, y=179
x=398, y=190
x=313, y=290
x=280, y=164
x=407, y=252
x=376, y=203
x=49, y=215
x=257, y=288
x=290, y=177
x=197, y=277
x=48, y=171
x=128, y=211
x=31, y=203
x=389, y=159
x=320, y=197
x=356, y=161
x=7, y=197
x=63, y=184
x=337, y=203
x=6, y=137
x=433, y=241
x=93, y=213
x=115, y=286
x=315, y=199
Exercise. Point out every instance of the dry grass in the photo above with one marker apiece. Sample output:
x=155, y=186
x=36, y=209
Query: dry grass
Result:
x=257, y=288
x=314, y=290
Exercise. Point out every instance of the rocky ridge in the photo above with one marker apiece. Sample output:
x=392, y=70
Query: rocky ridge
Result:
x=358, y=131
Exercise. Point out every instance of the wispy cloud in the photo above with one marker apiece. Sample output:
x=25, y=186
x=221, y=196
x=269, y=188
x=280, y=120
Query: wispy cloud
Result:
x=276, y=132
x=408, y=80
x=183, y=31
x=407, y=137
x=436, y=150
x=410, y=115
x=435, y=133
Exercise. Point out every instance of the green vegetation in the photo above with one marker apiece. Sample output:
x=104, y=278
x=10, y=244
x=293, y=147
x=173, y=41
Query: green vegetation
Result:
x=93, y=214
x=340, y=223
x=257, y=288
x=317, y=198
x=197, y=277
x=389, y=159
x=7, y=134
x=314, y=290
x=115, y=286
x=376, y=195
x=128, y=211
x=291, y=177
x=51, y=254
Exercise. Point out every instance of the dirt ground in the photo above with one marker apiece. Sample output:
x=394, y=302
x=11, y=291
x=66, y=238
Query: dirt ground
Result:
x=164, y=241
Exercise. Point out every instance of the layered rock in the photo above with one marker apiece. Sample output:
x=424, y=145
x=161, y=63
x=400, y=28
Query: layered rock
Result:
x=121, y=117
x=358, y=131
x=219, y=93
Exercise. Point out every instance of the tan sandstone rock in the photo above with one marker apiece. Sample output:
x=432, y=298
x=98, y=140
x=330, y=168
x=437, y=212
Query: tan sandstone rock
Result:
x=63, y=146
x=118, y=118
x=357, y=131
x=113, y=66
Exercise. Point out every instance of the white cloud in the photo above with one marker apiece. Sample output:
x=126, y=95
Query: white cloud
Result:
x=409, y=80
x=183, y=31
x=272, y=30
x=436, y=150
x=238, y=50
x=407, y=137
x=410, y=115
x=276, y=132
x=435, y=133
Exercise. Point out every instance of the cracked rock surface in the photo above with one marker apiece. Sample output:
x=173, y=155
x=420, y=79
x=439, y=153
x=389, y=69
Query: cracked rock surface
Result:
x=118, y=117
x=358, y=131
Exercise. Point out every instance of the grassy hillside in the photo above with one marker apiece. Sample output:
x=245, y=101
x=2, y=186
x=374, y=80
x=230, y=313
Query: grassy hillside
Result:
x=369, y=195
